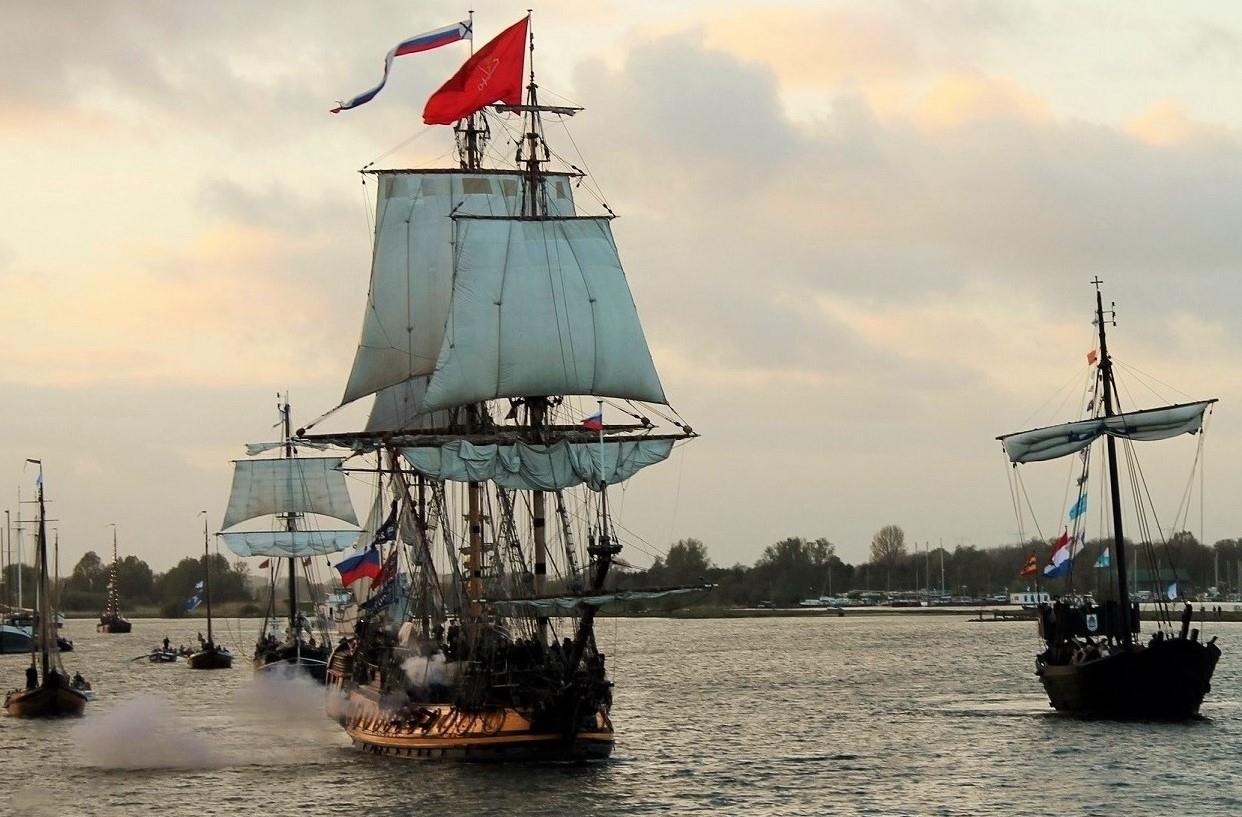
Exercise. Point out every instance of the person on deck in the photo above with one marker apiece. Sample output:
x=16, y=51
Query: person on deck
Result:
x=166, y=643
x=32, y=676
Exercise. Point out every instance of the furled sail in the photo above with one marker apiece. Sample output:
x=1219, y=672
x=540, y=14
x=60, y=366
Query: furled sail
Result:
x=1149, y=424
x=538, y=467
x=298, y=485
x=540, y=307
x=412, y=267
x=291, y=544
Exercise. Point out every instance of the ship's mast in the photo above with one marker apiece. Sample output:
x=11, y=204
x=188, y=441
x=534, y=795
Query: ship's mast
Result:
x=44, y=613
x=207, y=578
x=290, y=525
x=1106, y=375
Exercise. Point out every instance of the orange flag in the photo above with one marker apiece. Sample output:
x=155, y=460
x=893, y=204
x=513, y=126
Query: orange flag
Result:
x=1031, y=567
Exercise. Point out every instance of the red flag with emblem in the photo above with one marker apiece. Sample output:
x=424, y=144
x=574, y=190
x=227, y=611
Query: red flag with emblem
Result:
x=493, y=74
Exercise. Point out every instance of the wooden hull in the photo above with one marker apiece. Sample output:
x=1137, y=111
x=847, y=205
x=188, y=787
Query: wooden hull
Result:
x=163, y=657
x=444, y=732
x=1166, y=680
x=45, y=702
x=210, y=659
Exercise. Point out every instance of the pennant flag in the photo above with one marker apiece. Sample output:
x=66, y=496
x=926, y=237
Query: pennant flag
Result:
x=595, y=422
x=192, y=602
x=1080, y=507
x=264, y=564
x=1031, y=568
x=358, y=566
x=414, y=45
x=199, y=586
x=493, y=74
x=1092, y=357
x=387, y=531
x=1172, y=593
x=1105, y=560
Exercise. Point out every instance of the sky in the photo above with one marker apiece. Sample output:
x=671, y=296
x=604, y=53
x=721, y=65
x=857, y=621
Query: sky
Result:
x=859, y=234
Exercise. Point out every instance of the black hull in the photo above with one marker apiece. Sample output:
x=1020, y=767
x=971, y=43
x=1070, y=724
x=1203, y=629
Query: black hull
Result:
x=311, y=661
x=210, y=659
x=1165, y=681
x=113, y=625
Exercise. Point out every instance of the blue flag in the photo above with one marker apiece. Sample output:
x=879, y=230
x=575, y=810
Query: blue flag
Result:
x=192, y=602
x=1105, y=560
x=1080, y=507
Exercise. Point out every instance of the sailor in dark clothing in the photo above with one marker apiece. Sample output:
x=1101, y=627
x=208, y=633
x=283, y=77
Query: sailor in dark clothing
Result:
x=32, y=677
x=166, y=643
x=1188, y=614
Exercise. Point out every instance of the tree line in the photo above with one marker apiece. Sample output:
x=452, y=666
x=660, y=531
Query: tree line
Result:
x=85, y=588
x=796, y=568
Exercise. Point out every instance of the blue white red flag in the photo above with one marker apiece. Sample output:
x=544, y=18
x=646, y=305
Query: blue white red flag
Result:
x=595, y=422
x=1063, y=553
x=414, y=45
x=364, y=565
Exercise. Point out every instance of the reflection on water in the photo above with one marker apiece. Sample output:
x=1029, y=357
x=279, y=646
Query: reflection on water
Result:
x=875, y=716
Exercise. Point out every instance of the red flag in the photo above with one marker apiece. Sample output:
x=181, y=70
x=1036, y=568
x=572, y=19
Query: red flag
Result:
x=1031, y=567
x=493, y=74
x=264, y=563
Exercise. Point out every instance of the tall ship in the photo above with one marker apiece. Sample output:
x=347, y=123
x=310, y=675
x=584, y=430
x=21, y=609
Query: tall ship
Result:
x=1094, y=662
x=110, y=619
x=499, y=330
x=290, y=492
x=49, y=691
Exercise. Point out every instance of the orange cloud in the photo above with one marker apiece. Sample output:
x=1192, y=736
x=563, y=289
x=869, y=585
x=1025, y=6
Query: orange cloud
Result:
x=1165, y=124
x=965, y=98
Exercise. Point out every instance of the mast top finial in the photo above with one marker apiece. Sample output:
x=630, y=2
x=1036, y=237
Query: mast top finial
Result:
x=1096, y=281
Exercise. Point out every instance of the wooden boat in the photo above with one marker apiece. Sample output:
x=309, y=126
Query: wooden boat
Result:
x=162, y=656
x=111, y=620
x=53, y=698
x=48, y=691
x=474, y=433
x=212, y=655
x=1093, y=665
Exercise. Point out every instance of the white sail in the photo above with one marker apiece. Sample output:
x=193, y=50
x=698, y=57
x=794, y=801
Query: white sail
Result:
x=400, y=408
x=538, y=467
x=298, y=485
x=1149, y=424
x=412, y=267
x=540, y=307
x=289, y=544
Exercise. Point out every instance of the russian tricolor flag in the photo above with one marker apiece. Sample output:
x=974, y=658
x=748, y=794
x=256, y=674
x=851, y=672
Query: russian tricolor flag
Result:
x=414, y=45
x=361, y=565
x=595, y=422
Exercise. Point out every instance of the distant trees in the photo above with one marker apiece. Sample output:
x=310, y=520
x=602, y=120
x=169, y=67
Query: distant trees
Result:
x=888, y=548
x=89, y=574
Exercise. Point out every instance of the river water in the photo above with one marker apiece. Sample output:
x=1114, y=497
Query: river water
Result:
x=890, y=715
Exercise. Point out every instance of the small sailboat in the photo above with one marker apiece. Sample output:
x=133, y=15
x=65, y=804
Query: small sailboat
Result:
x=49, y=691
x=290, y=489
x=1093, y=664
x=111, y=620
x=211, y=655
